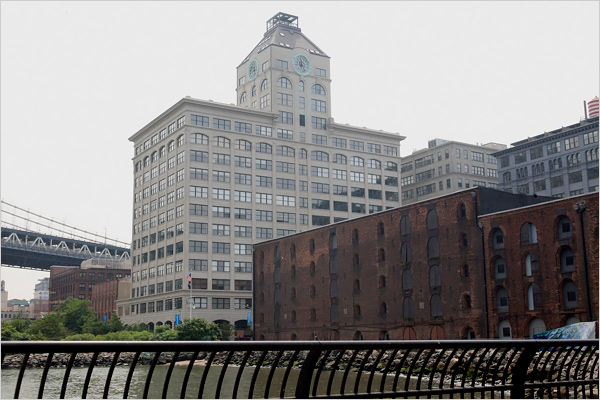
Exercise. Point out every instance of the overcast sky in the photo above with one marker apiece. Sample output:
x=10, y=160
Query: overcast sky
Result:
x=79, y=78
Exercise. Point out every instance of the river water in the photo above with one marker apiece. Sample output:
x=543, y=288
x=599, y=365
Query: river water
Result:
x=31, y=381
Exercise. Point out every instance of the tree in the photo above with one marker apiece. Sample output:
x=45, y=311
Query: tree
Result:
x=75, y=313
x=49, y=328
x=115, y=323
x=165, y=333
x=197, y=329
x=226, y=331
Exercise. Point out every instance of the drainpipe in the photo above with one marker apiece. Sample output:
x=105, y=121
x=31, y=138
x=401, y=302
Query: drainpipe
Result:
x=485, y=295
x=580, y=208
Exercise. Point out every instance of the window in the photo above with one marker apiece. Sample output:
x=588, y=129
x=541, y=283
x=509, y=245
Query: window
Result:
x=499, y=268
x=318, y=105
x=221, y=212
x=220, y=230
x=199, y=120
x=221, y=247
x=199, y=156
x=221, y=194
x=223, y=159
x=264, y=164
x=265, y=181
x=501, y=299
x=220, y=266
x=283, y=81
x=374, y=164
x=285, y=99
x=198, y=191
x=317, y=89
x=319, y=123
x=222, y=124
x=220, y=284
x=243, y=213
x=319, y=155
x=220, y=303
x=245, y=162
x=320, y=172
x=243, y=179
x=262, y=215
x=569, y=294
x=572, y=143
x=289, y=201
x=567, y=260
x=282, y=183
x=498, y=239
x=264, y=198
x=242, y=126
x=285, y=167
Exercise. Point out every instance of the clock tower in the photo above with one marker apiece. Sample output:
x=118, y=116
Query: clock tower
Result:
x=288, y=75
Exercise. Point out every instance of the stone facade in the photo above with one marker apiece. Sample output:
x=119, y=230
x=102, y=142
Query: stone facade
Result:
x=415, y=272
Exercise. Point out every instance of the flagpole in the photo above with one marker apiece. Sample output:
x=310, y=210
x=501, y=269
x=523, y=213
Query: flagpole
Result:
x=190, y=285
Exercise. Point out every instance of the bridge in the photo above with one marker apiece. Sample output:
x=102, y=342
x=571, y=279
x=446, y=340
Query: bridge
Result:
x=65, y=245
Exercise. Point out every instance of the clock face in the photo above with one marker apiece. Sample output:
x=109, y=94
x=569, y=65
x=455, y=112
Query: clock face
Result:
x=253, y=69
x=301, y=64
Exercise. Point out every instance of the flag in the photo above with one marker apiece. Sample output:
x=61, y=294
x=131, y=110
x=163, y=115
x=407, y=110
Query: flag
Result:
x=189, y=281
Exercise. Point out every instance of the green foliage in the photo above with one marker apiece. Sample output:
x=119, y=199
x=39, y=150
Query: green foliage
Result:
x=50, y=327
x=115, y=323
x=10, y=332
x=165, y=333
x=198, y=329
x=127, y=336
x=75, y=313
x=82, y=336
x=95, y=327
x=227, y=331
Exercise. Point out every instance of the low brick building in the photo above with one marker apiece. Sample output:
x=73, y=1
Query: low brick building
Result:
x=414, y=272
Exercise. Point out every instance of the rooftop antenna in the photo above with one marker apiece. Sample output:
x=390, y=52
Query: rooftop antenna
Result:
x=585, y=109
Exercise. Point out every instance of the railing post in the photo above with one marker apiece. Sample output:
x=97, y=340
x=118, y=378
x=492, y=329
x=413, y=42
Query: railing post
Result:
x=305, y=377
x=519, y=372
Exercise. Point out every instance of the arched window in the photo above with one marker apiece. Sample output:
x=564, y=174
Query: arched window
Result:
x=264, y=148
x=384, y=335
x=317, y=155
x=499, y=268
x=567, y=260
x=312, y=268
x=464, y=240
x=506, y=177
x=436, y=306
x=536, y=326
x=465, y=271
x=534, y=297
x=381, y=255
x=355, y=235
x=469, y=333
x=374, y=164
x=284, y=82
x=147, y=160
x=242, y=144
x=465, y=302
x=501, y=299
x=221, y=141
x=243, y=97
x=532, y=264
x=569, y=294
x=407, y=280
x=356, y=286
x=293, y=293
x=303, y=154
x=381, y=229
x=382, y=308
x=301, y=86
x=171, y=146
x=408, y=310
x=197, y=138
x=498, y=239
x=339, y=158
x=405, y=225
x=357, y=335
x=357, y=161
x=504, y=331
x=293, y=318
x=333, y=241
x=462, y=211
x=163, y=149
x=311, y=245
x=286, y=151
x=564, y=228
x=357, y=312
x=311, y=291
x=382, y=281
x=154, y=156
x=355, y=260
x=254, y=90
x=391, y=166
x=528, y=233
x=405, y=253
x=433, y=248
x=264, y=85
x=317, y=89
x=435, y=277
x=432, y=219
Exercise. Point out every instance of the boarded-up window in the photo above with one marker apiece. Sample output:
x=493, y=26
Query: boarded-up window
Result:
x=405, y=225
x=432, y=219
x=436, y=306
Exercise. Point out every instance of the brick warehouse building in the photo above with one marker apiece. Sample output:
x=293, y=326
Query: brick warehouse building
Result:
x=414, y=272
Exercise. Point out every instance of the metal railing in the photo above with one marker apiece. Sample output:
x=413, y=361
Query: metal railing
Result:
x=305, y=369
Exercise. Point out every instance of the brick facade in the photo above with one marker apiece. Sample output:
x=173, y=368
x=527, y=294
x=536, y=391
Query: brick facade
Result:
x=415, y=272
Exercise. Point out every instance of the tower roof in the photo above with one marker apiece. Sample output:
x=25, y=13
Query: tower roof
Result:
x=283, y=31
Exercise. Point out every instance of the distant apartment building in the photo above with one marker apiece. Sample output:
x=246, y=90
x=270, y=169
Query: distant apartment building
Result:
x=477, y=263
x=105, y=295
x=41, y=298
x=445, y=167
x=561, y=163
x=79, y=282
x=212, y=179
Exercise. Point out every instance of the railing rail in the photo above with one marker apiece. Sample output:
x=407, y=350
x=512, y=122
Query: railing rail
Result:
x=308, y=369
